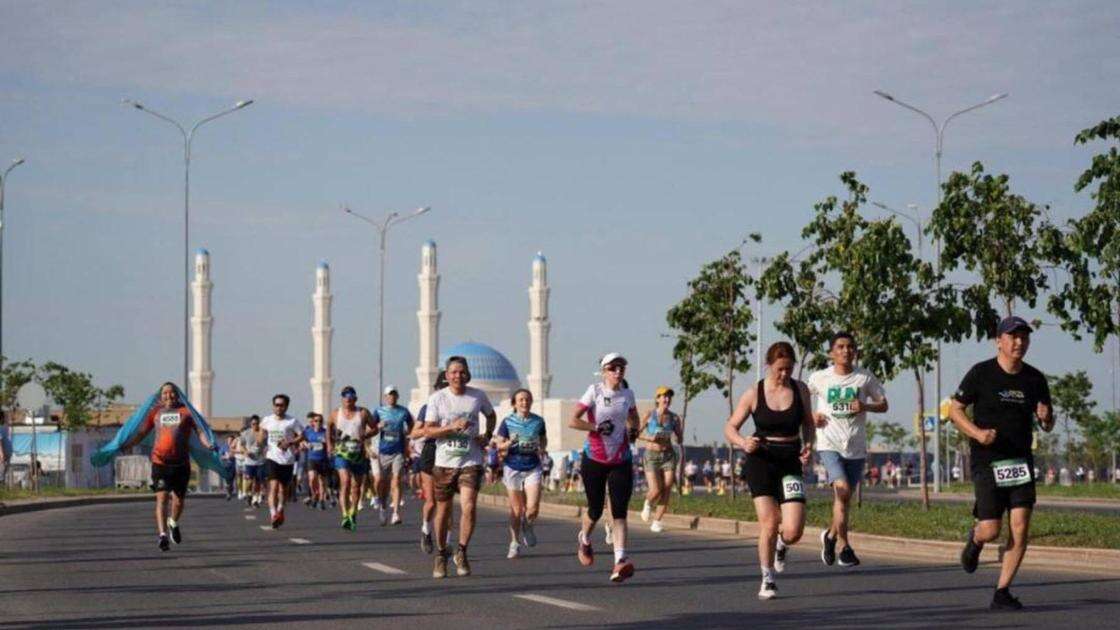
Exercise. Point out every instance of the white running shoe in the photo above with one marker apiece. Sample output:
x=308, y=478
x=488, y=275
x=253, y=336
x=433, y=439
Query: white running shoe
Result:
x=514, y=550
x=656, y=527
x=609, y=537
x=780, y=551
x=646, y=509
x=396, y=520
x=768, y=590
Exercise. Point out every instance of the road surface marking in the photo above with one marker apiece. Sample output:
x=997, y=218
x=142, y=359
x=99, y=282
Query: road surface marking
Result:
x=552, y=601
x=250, y=517
x=300, y=541
x=383, y=568
x=266, y=527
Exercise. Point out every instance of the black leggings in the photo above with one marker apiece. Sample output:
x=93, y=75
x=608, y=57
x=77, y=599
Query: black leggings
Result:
x=597, y=478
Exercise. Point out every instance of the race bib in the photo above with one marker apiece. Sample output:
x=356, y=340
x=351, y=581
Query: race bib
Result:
x=1011, y=472
x=528, y=445
x=316, y=446
x=389, y=438
x=663, y=435
x=605, y=428
x=458, y=445
x=275, y=437
x=170, y=419
x=792, y=487
x=347, y=448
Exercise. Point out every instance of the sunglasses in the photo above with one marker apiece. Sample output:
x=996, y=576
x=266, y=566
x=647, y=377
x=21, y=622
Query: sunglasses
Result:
x=615, y=368
x=279, y=404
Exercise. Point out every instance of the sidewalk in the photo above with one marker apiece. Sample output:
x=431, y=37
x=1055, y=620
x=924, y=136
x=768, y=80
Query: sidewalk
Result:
x=1077, y=560
x=50, y=503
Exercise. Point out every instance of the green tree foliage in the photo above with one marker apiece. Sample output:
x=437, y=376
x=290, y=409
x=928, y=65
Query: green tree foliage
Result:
x=986, y=229
x=1101, y=437
x=1089, y=250
x=1073, y=407
x=891, y=434
x=75, y=393
x=13, y=376
x=809, y=309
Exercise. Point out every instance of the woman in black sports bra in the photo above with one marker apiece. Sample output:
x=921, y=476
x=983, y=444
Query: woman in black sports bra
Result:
x=780, y=447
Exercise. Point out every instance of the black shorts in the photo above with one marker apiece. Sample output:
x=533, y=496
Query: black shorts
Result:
x=428, y=457
x=279, y=472
x=774, y=470
x=320, y=467
x=991, y=500
x=173, y=478
x=603, y=480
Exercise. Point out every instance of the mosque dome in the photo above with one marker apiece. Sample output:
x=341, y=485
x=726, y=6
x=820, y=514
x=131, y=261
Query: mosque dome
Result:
x=491, y=371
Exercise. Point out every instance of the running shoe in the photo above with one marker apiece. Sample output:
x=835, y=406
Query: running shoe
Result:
x=585, y=554
x=970, y=555
x=440, y=568
x=396, y=520
x=623, y=569
x=277, y=519
x=1003, y=600
x=164, y=542
x=828, y=549
x=528, y=536
x=646, y=509
x=346, y=522
x=848, y=558
x=514, y=550
x=768, y=590
x=307, y=500
x=780, y=550
x=608, y=537
x=426, y=543
x=322, y=505
x=176, y=535
x=383, y=517
x=462, y=566
x=656, y=527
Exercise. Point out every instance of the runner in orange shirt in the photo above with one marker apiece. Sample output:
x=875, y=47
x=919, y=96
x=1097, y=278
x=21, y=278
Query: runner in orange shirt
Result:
x=171, y=464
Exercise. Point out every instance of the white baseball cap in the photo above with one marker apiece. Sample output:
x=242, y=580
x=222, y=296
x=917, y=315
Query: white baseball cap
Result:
x=390, y=389
x=612, y=357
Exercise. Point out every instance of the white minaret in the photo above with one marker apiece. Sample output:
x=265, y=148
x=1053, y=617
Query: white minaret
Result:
x=201, y=376
x=539, y=378
x=322, y=383
x=428, y=317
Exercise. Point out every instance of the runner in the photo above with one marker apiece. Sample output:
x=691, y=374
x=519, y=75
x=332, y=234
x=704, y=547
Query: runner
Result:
x=285, y=434
x=427, y=463
x=394, y=423
x=522, y=438
x=1006, y=395
x=611, y=417
x=843, y=394
x=781, y=445
x=658, y=429
x=243, y=492
x=690, y=471
x=315, y=438
x=353, y=425
x=452, y=420
x=173, y=423
x=228, y=456
x=253, y=443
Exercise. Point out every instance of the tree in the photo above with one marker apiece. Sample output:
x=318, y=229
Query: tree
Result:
x=76, y=394
x=1102, y=438
x=1070, y=395
x=714, y=323
x=809, y=310
x=13, y=375
x=893, y=435
x=997, y=235
x=693, y=380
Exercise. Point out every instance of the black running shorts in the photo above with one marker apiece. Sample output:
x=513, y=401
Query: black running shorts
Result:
x=171, y=478
x=991, y=500
x=279, y=472
x=428, y=457
x=774, y=470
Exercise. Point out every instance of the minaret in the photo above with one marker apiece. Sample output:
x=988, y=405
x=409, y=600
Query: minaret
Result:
x=321, y=332
x=201, y=376
x=539, y=378
x=428, y=317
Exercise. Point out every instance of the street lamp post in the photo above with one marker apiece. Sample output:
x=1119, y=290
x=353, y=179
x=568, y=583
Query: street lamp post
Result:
x=939, y=131
x=188, y=137
x=3, y=181
x=383, y=231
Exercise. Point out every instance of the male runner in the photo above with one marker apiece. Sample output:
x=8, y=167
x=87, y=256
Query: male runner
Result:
x=350, y=426
x=452, y=420
x=394, y=423
x=315, y=439
x=284, y=436
x=252, y=445
x=171, y=464
x=1006, y=396
x=842, y=395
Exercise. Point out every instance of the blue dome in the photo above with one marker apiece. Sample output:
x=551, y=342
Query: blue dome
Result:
x=486, y=363
x=323, y=264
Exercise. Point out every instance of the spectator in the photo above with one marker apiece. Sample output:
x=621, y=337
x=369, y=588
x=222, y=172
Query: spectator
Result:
x=873, y=474
x=1080, y=474
x=709, y=477
x=1116, y=475
x=1091, y=476
x=909, y=474
x=1050, y=475
x=690, y=472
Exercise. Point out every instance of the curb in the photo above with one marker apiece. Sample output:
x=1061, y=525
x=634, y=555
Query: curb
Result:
x=54, y=503
x=1065, y=559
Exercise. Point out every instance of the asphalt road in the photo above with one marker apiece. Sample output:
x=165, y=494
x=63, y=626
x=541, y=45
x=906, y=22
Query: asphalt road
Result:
x=98, y=567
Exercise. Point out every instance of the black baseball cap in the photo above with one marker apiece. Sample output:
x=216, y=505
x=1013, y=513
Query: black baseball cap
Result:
x=1012, y=324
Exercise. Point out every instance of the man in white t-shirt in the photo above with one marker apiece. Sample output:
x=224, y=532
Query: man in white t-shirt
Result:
x=452, y=420
x=842, y=396
x=284, y=436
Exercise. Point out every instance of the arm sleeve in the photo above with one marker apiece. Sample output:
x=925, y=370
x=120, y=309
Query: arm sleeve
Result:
x=1043, y=389
x=503, y=430
x=875, y=388
x=420, y=415
x=484, y=405
x=408, y=421
x=588, y=399
x=966, y=393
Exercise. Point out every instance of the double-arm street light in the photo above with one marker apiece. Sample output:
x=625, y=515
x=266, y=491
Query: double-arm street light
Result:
x=382, y=228
x=3, y=181
x=188, y=137
x=939, y=131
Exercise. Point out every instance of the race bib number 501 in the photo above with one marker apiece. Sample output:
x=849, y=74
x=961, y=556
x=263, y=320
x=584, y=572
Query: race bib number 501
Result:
x=792, y=487
x=1011, y=472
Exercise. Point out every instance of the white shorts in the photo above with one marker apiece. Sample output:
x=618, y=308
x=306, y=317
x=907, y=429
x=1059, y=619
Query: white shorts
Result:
x=518, y=479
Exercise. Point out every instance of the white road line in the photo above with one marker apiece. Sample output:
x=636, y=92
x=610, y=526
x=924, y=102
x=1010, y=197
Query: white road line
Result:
x=300, y=541
x=383, y=568
x=250, y=517
x=266, y=527
x=552, y=601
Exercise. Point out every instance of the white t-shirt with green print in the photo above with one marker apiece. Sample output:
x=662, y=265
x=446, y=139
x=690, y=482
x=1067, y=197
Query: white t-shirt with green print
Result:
x=832, y=394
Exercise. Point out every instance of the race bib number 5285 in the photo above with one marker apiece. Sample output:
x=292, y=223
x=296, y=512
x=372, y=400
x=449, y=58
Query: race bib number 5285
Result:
x=1011, y=472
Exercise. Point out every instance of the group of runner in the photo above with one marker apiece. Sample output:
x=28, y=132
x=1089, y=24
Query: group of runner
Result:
x=791, y=418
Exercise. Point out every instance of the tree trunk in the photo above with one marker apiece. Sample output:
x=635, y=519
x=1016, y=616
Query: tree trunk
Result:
x=731, y=410
x=922, y=439
x=684, y=451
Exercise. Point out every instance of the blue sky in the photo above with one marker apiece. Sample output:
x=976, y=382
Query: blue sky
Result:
x=629, y=141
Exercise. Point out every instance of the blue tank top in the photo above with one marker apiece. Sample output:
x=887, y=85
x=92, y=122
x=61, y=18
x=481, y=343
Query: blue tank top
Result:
x=316, y=444
x=526, y=434
x=394, y=424
x=655, y=425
